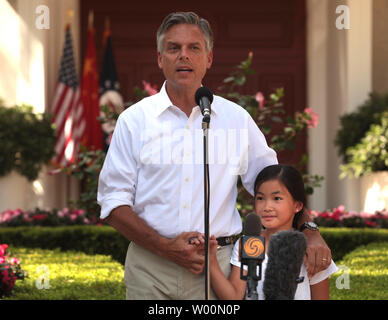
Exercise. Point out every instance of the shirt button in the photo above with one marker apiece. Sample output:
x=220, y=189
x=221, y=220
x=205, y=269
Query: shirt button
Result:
x=187, y=179
x=185, y=206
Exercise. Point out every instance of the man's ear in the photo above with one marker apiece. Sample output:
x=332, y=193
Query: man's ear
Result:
x=209, y=59
x=160, y=64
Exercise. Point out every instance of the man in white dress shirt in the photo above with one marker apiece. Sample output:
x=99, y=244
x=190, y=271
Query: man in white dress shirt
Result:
x=151, y=185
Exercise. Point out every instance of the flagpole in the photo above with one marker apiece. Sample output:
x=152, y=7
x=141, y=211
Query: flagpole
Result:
x=91, y=19
x=69, y=19
x=106, y=31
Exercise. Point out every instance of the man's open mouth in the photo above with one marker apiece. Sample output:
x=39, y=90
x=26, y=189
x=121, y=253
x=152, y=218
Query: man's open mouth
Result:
x=184, y=69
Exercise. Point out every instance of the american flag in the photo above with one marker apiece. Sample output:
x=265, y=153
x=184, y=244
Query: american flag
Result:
x=67, y=108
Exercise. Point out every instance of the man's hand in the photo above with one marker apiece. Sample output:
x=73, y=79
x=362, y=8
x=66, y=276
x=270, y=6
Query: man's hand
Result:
x=318, y=254
x=183, y=252
x=178, y=249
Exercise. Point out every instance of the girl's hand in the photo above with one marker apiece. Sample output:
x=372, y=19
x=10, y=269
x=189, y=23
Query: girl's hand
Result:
x=213, y=244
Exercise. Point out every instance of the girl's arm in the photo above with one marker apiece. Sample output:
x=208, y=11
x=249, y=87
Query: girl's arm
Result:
x=320, y=290
x=225, y=289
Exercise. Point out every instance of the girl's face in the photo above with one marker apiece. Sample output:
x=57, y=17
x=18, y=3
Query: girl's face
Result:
x=275, y=206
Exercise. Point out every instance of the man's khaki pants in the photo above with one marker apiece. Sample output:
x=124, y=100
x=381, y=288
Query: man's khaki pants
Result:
x=150, y=277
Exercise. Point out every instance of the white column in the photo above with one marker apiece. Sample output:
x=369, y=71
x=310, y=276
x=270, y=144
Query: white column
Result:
x=339, y=79
x=317, y=47
x=29, y=59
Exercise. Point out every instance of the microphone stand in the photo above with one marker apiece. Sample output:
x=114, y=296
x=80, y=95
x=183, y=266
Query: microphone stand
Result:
x=205, y=128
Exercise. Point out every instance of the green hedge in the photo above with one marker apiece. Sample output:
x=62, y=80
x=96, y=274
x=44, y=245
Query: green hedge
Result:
x=105, y=240
x=363, y=274
x=344, y=240
x=89, y=239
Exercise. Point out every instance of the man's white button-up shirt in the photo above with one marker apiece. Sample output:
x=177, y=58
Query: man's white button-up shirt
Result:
x=155, y=165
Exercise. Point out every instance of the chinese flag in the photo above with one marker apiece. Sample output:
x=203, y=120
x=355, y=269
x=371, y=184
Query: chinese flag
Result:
x=92, y=138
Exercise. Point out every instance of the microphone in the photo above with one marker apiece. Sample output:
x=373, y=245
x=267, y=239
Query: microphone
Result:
x=204, y=98
x=286, y=250
x=252, y=253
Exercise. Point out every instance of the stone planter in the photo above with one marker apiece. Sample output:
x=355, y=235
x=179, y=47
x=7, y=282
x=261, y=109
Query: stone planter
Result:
x=374, y=191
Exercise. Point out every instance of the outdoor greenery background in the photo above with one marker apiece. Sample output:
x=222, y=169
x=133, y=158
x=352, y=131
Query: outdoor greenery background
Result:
x=95, y=271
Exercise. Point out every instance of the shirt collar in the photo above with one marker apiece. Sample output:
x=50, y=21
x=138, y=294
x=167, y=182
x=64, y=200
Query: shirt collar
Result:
x=164, y=102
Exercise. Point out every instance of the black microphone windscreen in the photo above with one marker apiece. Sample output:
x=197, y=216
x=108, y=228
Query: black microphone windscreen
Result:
x=286, y=250
x=203, y=92
x=252, y=225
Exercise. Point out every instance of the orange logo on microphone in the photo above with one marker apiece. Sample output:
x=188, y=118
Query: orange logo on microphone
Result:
x=253, y=247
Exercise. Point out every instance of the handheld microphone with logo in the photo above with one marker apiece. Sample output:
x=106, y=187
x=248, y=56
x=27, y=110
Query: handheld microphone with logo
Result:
x=204, y=98
x=286, y=250
x=252, y=254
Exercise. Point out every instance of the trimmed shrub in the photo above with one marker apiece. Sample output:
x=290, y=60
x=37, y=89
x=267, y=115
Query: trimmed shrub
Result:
x=106, y=240
x=344, y=240
x=89, y=239
x=367, y=272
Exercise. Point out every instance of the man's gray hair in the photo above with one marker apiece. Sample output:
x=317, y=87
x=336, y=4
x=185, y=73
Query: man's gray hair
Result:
x=184, y=17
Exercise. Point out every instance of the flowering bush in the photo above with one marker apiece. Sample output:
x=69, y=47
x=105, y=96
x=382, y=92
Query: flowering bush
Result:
x=39, y=217
x=10, y=271
x=339, y=217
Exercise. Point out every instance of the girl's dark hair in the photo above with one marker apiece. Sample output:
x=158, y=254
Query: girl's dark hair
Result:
x=292, y=180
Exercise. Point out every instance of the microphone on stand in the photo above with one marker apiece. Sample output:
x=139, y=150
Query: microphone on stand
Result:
x=204, y=98
x=252, y=254
x=286, y=250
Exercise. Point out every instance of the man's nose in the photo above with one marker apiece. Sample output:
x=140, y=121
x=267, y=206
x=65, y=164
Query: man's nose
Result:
x=184, y=54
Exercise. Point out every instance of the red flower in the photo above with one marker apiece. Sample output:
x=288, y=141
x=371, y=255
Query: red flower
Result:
x=370, y=223
x=39, y=216
x=3, y=249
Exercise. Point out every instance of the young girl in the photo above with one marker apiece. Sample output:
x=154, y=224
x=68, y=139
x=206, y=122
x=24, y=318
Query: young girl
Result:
x=279, y=198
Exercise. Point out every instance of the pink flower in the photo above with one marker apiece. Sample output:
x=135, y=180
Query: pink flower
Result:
x=64, y=212
x=151, y=90
x=26, y=217
x=312, y=122
x=260, y=99
x=79, y=212
x=14, y=261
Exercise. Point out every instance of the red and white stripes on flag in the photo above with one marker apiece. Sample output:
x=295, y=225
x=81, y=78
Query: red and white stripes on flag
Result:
x=67, y=108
